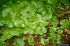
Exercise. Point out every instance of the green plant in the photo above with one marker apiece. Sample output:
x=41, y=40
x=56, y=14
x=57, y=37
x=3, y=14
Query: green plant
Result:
x=30, y=40
x=43, y=41
x=0, y=32
x=18, y=42
x=19, y=17
x=60, y=31
x=69, y=32
x=54, y=21
x=58, y=39
x=2, y=43
x=65, y=24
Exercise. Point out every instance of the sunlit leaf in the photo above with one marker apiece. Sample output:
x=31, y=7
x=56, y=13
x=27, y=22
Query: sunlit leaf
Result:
x=18, y=42
x=60, y=31
x=42, y=41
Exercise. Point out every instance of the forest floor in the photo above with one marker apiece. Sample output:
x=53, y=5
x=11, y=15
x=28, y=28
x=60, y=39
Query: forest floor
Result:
x=65, y=36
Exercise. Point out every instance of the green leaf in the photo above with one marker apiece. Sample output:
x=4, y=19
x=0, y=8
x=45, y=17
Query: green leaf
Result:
x=30, y=31
x=38, y=4
x=42, y=41
x=60, y=31
x=4, y=13
x=58, y=42
x=9, y=33
x=47, y=40
x=10, y=24
x=51, y=31
x=39, y=31
x=31, y=40
x=50, y=37
x=31, y=12
x=65, y=24
x=2, y=43
x=32, y=25
x=23, y=25
x=2, y=22
x=24, y=38
x=18, y=42
x=0, y=31
x=43, y=23
x=58, y=37
x=17, y=23
x=47, y=16
x=25, y=32
x=68, y=32
x=54, y=21
x=44, y=13
x=51, y=1
x=23, y=12
x=40, y=9
x=14, y=33
x=7, y=36
x=44, y=29
x=12, y=14
x=35, y=32
x=27, y=8
x=27, y=38
x=25, y=2
x=62, y=22
x=20, y=5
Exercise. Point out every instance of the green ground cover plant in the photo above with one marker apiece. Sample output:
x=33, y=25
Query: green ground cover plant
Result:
x=31, y=16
